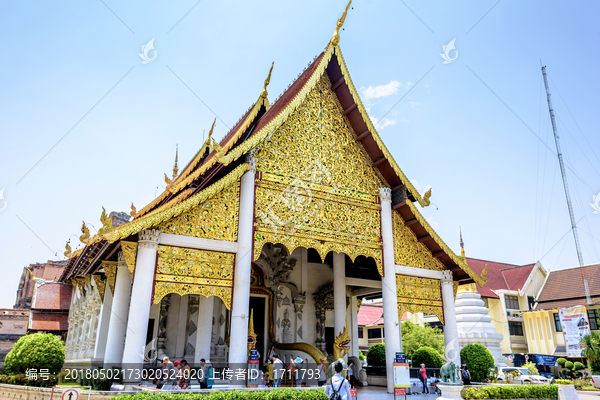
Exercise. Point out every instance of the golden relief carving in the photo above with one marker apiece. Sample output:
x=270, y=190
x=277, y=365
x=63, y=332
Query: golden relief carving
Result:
x=407, y=249
x=190, y=271
x=107, y=224
x=318, y=196
x=216, y=218
x=130, y=253
x=100, y=285
x=419, y=295
x=176, y=207
x=110, y=269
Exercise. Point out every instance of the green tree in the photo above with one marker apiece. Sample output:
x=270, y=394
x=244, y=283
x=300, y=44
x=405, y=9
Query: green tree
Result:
x=38, y=351
x=416, y=336
x=428, y=356
x=479, y=361
x=376, y=355
x=591, y=349
x=530, y=365
x=561, y=361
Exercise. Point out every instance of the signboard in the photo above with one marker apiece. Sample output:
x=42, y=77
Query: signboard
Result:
x=70, y=394
x=254, y=354
x=400, y=357
x=401, y=375
x=353, y=393
x=545, y=360
x=399, y=391
x=575, y=325
x=253, y=374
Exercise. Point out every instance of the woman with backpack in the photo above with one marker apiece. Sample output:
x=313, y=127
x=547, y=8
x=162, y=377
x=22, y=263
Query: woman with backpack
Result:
x=338, y=387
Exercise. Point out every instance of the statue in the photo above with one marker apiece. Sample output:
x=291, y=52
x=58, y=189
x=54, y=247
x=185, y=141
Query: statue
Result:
x=448, y=372
x=341, y=346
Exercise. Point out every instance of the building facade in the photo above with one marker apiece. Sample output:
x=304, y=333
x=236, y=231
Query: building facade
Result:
x=297, y=214
x=13, y=326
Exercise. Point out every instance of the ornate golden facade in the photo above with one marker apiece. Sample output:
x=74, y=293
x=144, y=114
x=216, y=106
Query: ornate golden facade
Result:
x=322, y=192
x=408, y=251
x=419, y=295
x=189, y=271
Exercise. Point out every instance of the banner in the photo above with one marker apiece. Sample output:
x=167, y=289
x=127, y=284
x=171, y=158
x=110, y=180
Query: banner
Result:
x=575, y=326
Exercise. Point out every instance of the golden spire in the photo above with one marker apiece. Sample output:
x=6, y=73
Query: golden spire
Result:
x=175, y=169
x=462, y=245
x=335, y=39
x=133, y=210
x=86, y=234
x=267, y=81
x=107, y=225
x=210, y=132
x=251, y=334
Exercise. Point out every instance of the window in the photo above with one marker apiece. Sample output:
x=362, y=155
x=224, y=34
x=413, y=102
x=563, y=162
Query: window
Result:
x=594, y=317
x=374, y=333
x=515, y=328
x=512, y=302
x=557, y=324
x=531, y=302
x=360, y=332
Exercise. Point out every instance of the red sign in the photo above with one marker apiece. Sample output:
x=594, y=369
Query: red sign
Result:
x=399, y=391
x=353, y=393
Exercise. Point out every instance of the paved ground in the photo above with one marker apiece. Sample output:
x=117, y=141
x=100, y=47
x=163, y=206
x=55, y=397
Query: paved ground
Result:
x=380, y=393
x=589, y=395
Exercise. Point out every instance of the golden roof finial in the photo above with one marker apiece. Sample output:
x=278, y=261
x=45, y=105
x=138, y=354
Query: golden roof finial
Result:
x=267, y=81
x=68, y=251
x=169, y=183
x=107, y=225
x=86, y=234
x=175, y=169
x=133, y=210
x=335, y=39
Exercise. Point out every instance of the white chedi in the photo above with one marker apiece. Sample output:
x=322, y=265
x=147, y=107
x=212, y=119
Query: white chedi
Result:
x=475, y=325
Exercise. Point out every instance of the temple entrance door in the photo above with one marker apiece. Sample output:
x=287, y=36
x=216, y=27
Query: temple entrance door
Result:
x=329, y=339
x=259, y=306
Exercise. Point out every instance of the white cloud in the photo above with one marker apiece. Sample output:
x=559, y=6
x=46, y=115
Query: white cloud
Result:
x=414, y=104
x=375, y=92
x=385, y=122
x=420, y=188
x=433, y=223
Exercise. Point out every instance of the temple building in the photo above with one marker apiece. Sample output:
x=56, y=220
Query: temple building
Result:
x=298, y=213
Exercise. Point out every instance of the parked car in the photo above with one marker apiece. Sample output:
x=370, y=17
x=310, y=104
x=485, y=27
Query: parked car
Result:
x=596, y=381
x=524, y=376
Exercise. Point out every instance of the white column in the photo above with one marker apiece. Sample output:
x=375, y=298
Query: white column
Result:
x=141, y=299
x=182, y=326
x=339, y=292
x=118, y=318
x=238, y=336
x=450, y=326
x=105, y=312
x=354, y=325
x=204, y=332
x=393, y=335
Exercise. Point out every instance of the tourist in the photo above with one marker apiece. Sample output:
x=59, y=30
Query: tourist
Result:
x=177, y=384
x=465, y=374
x=202, y=374
x=338, y=384
x=351, y=373
x=298, y=365
x=269, y=373
x=278, y=371
x=271, y=353
x=322, y=372
x=423, y=378
x=210, y=375
x=433, y=382
x=185, y=373
x=168, y=374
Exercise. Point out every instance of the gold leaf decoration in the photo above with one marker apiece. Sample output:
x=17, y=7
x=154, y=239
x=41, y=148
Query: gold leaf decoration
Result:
x=130, y=253
x=68, y=250
x=107, y=225
x=419, y=295
x=86, y=234
x=408, y=251
x=189, y=271
x=110, y=269
x=100, y=285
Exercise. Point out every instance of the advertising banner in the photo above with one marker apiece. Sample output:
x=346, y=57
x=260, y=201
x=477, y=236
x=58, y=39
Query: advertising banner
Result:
x=575, y=326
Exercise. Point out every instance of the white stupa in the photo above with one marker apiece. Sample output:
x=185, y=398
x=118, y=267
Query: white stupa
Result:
x=474, y=323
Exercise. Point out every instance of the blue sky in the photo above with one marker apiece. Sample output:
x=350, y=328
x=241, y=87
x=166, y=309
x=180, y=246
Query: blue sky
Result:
x=468, y=129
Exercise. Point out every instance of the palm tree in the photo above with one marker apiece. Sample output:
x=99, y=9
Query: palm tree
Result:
x=591, y=347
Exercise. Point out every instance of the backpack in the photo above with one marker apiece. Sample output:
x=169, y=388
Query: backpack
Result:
x=335, y=395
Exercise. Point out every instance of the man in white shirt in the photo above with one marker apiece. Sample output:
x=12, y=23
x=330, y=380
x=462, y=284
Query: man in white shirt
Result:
x=278, y=371
x=338, y=384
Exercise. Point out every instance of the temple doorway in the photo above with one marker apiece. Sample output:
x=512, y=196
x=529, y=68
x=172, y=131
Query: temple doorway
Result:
x=258, y=304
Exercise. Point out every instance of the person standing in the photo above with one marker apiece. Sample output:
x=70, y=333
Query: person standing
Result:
x=338, y=384
x=168, y=374
x=271, y=353
x=299, y=371
x=278, y=371
x=351, y=373
x=322, y=372
x=423, y=377
x=185, y=373
x=465, y=374
x=202, y=379
x=210, y=375
x=268, y=377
